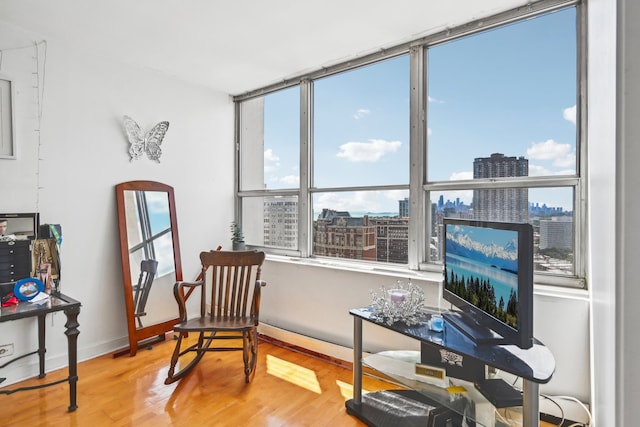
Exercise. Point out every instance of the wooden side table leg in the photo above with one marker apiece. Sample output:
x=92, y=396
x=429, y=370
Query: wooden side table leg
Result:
x=42, y=346
x=72, y=341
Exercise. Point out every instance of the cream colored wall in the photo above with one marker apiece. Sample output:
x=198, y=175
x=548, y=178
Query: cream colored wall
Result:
x=83, y=154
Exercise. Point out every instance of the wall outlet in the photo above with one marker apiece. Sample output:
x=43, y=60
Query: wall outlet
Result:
x=6, y=350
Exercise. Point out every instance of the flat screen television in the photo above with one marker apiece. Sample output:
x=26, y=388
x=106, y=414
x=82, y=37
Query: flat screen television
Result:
x=488, y=278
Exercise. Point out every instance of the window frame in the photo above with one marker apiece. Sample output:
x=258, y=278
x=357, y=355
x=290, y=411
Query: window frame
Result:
x=419, y=187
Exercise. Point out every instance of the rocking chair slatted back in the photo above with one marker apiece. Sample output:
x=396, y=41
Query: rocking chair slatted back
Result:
x=231, y=282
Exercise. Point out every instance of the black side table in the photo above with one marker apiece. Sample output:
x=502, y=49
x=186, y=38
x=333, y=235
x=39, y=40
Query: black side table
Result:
x=56, y=302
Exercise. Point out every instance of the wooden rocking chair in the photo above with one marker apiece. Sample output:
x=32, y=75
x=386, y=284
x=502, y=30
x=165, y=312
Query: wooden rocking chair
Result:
x=231, y=280
x=148, y=270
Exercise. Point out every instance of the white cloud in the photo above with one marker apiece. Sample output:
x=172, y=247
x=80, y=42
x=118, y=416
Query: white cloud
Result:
x=271, y=161
x=290, y=179
x=429, y=132
x=537, y=170
x=361, y=201
x=370, y=151
x=560, y=155
x=569, y=114
x=434, y=100
x=360, y=113
x=459, y=176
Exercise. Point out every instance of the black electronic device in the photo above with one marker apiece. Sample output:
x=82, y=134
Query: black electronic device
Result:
x=443, y=417
x=488, y=277
x=500, y=393
x=455, y=365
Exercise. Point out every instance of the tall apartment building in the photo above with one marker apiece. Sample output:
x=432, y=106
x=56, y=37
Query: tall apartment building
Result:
x=281, y=222
x=556, y=232
x=338, y=234
x=501, y=204
x=392, y=239
x=403, y=208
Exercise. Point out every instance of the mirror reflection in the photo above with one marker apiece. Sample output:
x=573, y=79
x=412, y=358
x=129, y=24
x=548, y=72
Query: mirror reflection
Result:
x=150, y=240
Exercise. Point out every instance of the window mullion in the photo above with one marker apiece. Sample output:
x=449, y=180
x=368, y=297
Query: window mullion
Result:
x=418, y=215
x=305, y=210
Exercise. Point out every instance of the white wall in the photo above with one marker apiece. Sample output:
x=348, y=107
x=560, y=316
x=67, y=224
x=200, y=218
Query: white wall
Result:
x=602, y=206
x=84, y=154
x=314, y=301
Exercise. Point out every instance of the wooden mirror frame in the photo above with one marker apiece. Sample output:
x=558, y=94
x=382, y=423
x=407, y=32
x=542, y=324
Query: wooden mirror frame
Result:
x=155, y=332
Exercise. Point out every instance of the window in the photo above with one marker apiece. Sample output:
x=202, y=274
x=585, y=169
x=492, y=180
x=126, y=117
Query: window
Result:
x=360, y=140
x=363, y=160
x=270, y=163
x=502, y=112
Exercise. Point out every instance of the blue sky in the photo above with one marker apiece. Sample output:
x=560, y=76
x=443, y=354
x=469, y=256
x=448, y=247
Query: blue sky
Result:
x=511, y=90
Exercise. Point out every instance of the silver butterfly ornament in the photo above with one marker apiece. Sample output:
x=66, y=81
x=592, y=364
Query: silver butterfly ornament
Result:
x=145, y=142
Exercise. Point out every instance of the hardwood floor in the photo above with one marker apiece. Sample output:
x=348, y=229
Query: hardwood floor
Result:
x=290, y=388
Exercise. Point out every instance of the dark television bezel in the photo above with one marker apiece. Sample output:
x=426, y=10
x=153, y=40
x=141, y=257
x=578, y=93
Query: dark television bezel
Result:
x=473, y=316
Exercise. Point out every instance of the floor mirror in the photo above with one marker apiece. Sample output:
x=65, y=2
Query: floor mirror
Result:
x=150, y=252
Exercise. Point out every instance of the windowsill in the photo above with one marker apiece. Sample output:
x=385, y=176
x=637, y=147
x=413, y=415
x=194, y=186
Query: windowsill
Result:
x=402, y=272
x=360, y=267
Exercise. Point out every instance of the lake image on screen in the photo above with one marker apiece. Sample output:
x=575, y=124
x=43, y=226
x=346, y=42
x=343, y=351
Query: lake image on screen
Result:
x=482, y=268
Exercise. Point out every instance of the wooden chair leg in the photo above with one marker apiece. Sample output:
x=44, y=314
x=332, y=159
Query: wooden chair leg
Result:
x=198, y=348
x=250, y=353
x=174, y=360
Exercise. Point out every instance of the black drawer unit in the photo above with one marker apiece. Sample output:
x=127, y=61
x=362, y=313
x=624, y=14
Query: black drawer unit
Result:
x=15, y=260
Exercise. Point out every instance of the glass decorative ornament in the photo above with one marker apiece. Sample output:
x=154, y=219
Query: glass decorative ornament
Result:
x=401, y=303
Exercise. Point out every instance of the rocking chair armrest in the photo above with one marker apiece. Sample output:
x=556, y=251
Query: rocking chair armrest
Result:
x=181, y=297
x=255, y=305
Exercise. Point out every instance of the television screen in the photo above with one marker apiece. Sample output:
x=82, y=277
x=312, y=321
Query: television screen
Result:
x=488, y=277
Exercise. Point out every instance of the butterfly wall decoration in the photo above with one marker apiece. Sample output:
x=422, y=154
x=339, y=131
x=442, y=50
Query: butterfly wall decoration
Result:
x=145, y=142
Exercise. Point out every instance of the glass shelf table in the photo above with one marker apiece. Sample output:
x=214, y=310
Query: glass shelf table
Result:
x=535, y=366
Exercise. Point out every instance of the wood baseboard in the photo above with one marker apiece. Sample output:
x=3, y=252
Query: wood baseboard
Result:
x=306, y=351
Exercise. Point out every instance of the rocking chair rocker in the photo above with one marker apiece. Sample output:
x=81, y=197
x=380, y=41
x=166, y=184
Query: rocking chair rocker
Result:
x=231, y=280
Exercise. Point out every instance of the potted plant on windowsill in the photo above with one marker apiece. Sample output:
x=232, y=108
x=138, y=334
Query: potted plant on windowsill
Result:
x=237, y=237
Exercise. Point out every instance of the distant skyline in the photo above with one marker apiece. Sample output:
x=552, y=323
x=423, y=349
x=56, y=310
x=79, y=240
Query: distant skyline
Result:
x=510, y=90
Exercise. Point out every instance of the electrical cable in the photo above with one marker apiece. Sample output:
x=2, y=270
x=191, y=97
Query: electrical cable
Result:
x=562, y=418
x=586, y=410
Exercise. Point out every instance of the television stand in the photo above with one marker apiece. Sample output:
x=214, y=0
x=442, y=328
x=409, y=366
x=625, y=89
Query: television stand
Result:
x=534, y=365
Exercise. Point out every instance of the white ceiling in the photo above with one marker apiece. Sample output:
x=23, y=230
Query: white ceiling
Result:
x=237, y=45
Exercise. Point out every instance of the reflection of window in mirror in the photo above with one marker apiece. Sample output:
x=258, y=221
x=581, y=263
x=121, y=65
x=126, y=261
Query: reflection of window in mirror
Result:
x=149, y=229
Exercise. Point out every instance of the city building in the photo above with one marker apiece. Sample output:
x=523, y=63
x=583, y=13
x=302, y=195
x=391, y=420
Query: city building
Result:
x=338, y=234
x=556, y=232
x=392, y=239
x=281, y=222
x=501, y=204
x=403, y=208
